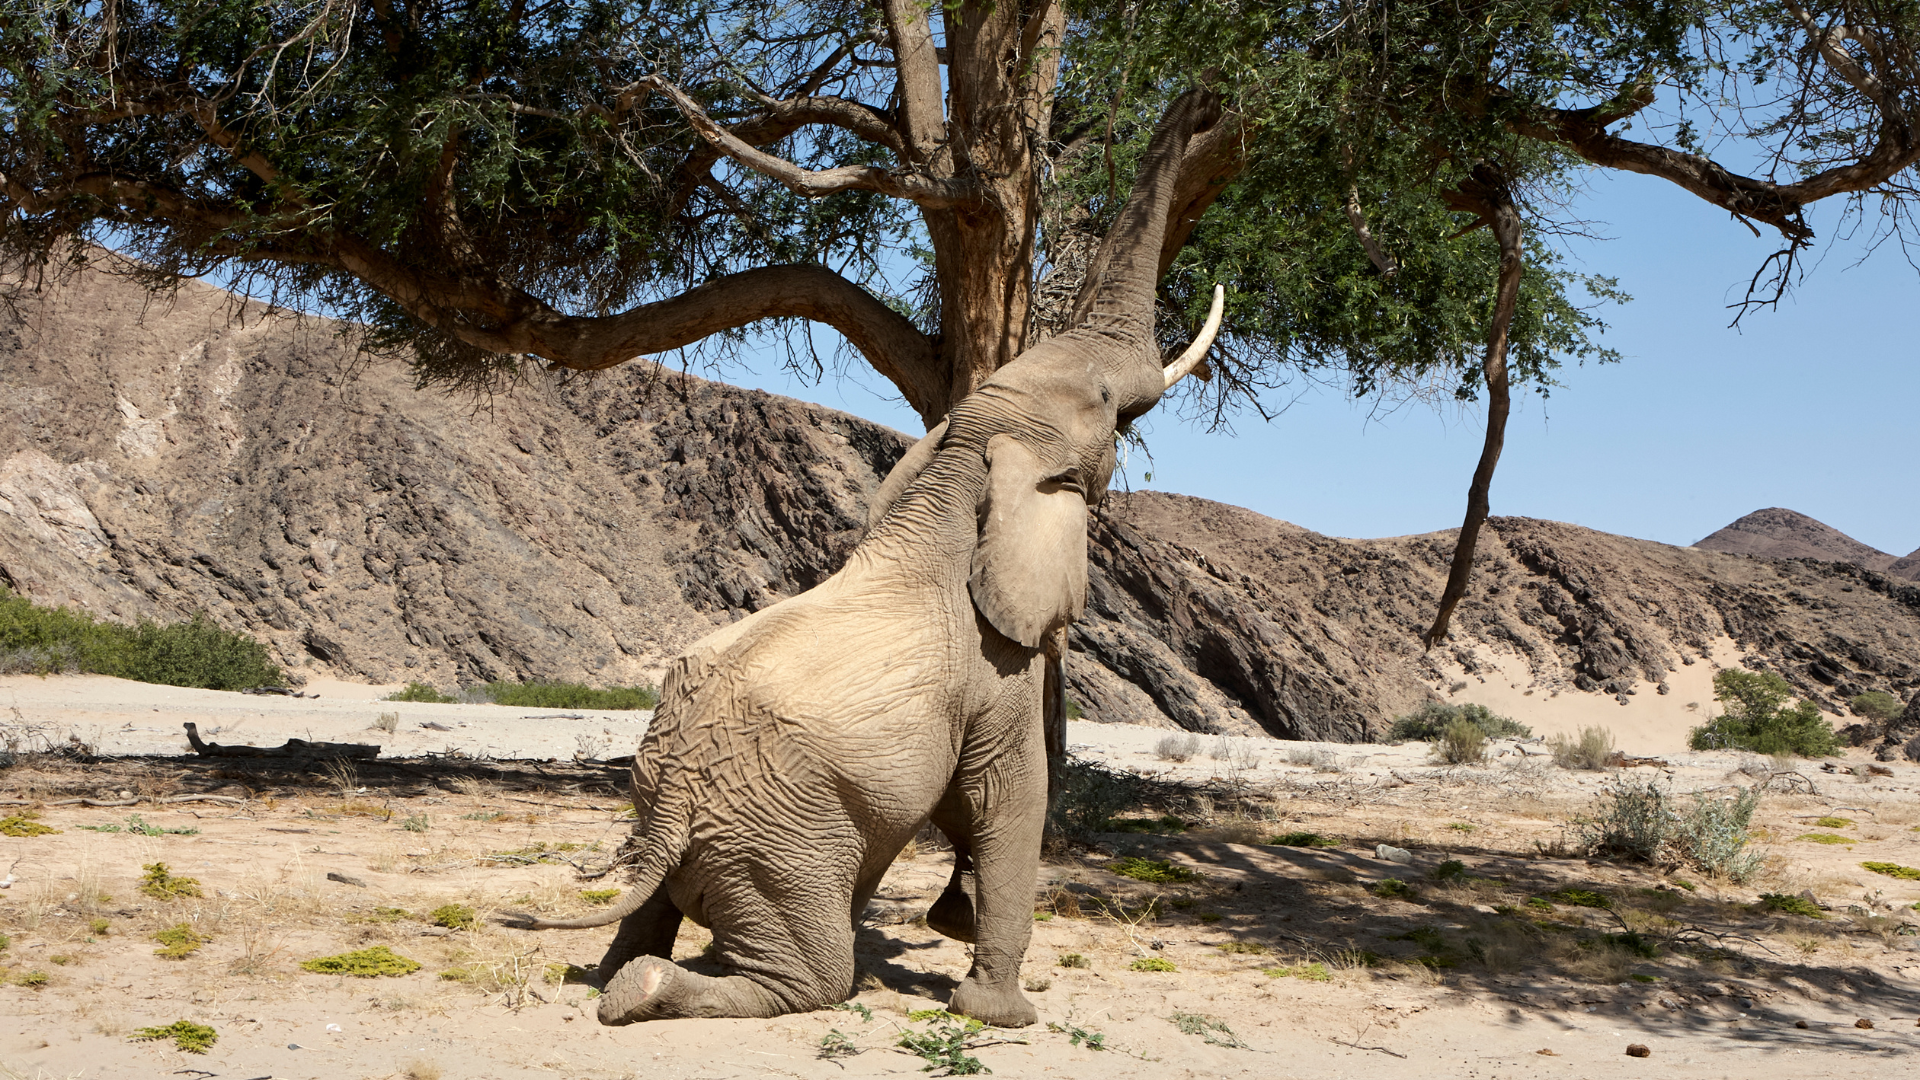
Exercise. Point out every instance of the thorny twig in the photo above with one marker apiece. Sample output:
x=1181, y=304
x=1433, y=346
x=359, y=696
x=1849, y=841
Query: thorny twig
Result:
x=1355, y=1043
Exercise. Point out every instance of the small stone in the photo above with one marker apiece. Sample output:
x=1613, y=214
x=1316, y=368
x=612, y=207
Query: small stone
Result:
x=1800, y=1024
x=1638, y=1050
x=1393, y=854
x=1863, y=1022
x=1544, y=1052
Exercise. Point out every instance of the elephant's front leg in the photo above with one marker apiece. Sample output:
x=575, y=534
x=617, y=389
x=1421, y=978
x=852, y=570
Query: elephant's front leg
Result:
x=1007, y=803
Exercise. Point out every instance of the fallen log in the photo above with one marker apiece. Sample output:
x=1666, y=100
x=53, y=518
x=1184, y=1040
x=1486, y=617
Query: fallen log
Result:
x=292, y=748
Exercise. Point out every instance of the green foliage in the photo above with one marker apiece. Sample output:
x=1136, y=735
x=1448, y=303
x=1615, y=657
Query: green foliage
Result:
x=566, y=974
x=1079, y=1036
x=599, y=896
x=559, y=695
x=1632, y=941
x=944, y=1044
x=1582, y=898
x=1757, y=718
x=1461, y=743
x=1160, y=826
x=1824, y=838
x=866, y=1014
x=1834, y=822
x=1152, y=963
x=1074, y=711
x=1462, y=826
x=1792, y=905
x=416, y=823
x=1540, y=903
x=1242, y=948
x=1073, y=960
x=1590, y=751
x=419, y=691
x=162, y=885
x=452, y=916
x=1894, y=870
x=1314, y=972
x=367, y=963
x=138, y=826
x=1091, y=795
x=1632, y=821
x=35, y=979
x=1211, y=1029
x=5, y=941
x=194, y=653
x=1394, y=888
x=186, y=1035
x=20, y=825
x=180, y=942
x=1430, y=721
x=1303, y=839
x=1635, y=820
x=1451, y=870
x=1876, y=705
x=1158, y=871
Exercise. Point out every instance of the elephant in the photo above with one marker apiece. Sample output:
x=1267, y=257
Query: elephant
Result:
x=795, y=752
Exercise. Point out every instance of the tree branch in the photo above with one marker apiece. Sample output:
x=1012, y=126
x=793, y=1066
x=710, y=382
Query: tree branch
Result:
x=813, y=183
x=921, y=102
x=1486, y=193
x=1381, y=258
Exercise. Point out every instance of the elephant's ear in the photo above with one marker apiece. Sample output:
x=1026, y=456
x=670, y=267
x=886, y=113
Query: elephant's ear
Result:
x=905, y=471
x=1030, y=570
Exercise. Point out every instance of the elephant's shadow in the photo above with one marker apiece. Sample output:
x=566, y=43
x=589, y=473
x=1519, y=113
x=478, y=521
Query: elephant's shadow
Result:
x=876, y=953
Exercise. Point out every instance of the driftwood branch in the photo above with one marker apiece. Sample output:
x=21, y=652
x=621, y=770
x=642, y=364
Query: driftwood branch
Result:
x=292, y=748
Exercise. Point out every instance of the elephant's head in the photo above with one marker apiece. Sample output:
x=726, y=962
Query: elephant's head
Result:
x=1042, y=427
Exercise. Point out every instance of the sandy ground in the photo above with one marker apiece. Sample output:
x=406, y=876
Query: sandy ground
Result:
x=1463, y=979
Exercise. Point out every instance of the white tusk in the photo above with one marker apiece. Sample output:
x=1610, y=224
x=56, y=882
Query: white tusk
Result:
x=1197, y=351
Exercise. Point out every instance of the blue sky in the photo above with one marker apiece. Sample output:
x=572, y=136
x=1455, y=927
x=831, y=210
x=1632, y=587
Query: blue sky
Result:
x=1814, y=407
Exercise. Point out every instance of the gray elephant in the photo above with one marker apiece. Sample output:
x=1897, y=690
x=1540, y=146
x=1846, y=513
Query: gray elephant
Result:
x=796, y=752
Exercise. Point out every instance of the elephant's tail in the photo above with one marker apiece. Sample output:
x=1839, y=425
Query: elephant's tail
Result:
x=660, y=852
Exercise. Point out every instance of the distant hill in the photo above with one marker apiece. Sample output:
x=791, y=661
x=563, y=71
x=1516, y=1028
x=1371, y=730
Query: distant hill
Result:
x=158, y=459
x=1777, y=533
x=1908, y=567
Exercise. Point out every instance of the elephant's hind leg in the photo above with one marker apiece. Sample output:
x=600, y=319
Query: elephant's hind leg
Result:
x=787, y=955
x=649, y=931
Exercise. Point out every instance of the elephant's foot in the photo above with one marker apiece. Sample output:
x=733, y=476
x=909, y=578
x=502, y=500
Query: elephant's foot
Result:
x=1002, y=1005
x=952, y=915
x=654, y=988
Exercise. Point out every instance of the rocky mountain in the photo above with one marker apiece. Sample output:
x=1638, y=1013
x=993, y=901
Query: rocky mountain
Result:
x=159, y=457
x=1778, y=533
x=1907, y=566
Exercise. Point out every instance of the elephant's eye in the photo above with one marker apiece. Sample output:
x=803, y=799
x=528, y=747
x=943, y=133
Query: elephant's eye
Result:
x=1065, y=481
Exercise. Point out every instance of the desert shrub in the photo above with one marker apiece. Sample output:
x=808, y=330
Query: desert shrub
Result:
x=1461, y=743
x=195, y=653
x=186, y=1035
x=1431, y=720
x=180, y=942
x=1314, y=972
x=1590, y=751
x=1152, y=963
x=559, y=695
x=1073, y=960
x=162, y=885
x=1636, y=820
x=1758, y=718
x=1876, y=705
x=1394, y=888
x=1303, y=839
x=1893, y=870
x=1160, y=826
x=452, y=916
x=1451, y=870
x=1632, y=821
x=1824, y=838
x=1177, y=748
x=365, y=963
x=1158, y=871
x=599, y=896
x=1831, y=822
x=23, y=825
x=419, y=691
x=1714, y=833
x=1090, y=795
x=1792, y=905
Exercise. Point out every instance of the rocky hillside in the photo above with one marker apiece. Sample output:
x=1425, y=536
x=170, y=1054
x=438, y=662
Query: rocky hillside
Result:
x=158, y=458
x=1786, y=534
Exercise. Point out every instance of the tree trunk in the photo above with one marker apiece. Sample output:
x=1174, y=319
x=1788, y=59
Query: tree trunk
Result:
x=1486, y=194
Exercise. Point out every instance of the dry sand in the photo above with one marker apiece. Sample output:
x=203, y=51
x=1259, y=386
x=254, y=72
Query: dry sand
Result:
x=1502, y=993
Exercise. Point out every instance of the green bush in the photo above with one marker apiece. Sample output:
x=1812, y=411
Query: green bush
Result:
x=1757, y=718
x=186, y=1035
x=1590, y=751
x=1090, y=796
x=1431, y=720
x=365, y=963
x=194, y=653
x=1636, y=820
x=419, y=691
x=1877, y=705
x=1462, y=743
x=559, y=695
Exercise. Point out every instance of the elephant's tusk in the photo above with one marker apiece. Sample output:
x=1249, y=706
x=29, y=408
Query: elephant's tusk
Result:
x=1197, y=351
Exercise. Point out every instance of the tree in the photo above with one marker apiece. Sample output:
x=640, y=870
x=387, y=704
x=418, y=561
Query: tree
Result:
x=1876, y=705
x=1758, y=718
